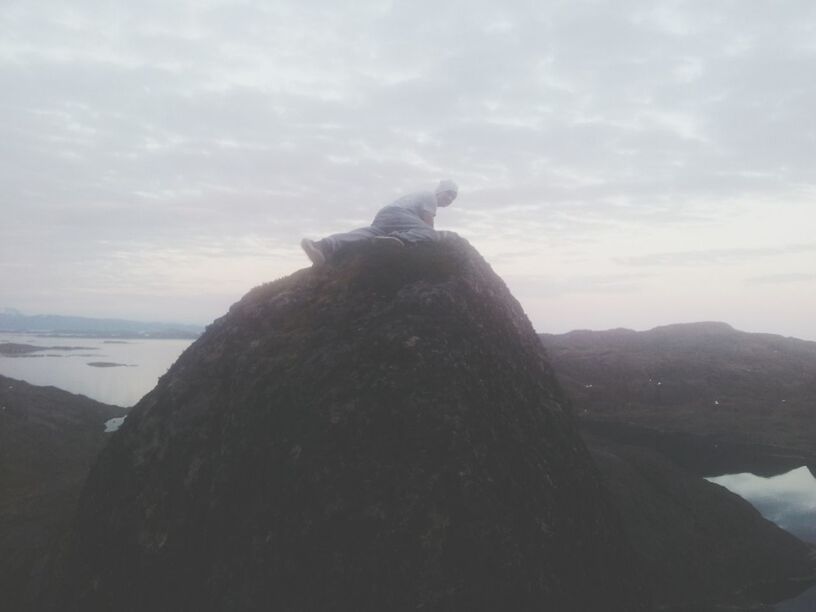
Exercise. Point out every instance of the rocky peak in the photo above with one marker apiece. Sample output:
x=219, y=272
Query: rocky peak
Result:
x=380, y=433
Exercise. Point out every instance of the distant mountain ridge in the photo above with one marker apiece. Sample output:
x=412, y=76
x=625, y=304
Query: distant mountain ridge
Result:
x=14, y=321
x=698, y=378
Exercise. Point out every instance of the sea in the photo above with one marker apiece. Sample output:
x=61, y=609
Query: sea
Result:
x=109, y=370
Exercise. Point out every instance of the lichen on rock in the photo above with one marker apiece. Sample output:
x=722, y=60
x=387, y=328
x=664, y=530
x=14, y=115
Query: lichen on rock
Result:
x=380, y=433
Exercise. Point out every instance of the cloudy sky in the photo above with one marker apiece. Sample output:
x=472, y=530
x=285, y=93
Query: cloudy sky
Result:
x=621, y=164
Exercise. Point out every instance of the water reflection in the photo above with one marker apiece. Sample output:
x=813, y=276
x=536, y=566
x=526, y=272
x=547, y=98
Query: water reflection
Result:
x=789, y=500
x=114, y=424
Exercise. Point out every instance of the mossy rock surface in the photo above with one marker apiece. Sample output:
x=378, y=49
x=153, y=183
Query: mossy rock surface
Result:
x=380, y=433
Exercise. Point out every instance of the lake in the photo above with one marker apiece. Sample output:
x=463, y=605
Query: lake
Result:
x=789, y=500
x=139, y=364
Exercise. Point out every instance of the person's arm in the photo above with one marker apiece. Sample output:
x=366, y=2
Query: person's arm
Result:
x=427, y=217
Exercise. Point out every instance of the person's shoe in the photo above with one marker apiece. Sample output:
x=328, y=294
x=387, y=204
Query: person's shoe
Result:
x=389, y=241
x=313, y=251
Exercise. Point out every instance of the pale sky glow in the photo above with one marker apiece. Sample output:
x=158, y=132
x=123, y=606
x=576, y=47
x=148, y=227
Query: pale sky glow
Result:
x=621, y=164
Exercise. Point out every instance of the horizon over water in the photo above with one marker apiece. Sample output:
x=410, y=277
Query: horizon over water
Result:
x=140, y=362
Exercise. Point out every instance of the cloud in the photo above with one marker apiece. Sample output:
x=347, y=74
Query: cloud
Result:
x=553, y=287
x=180, y=125
x=713, y=256
x=777, y=279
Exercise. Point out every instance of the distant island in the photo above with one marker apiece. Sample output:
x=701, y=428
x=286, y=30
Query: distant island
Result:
x=109, y=364
x=13, y=349
x=84, y=327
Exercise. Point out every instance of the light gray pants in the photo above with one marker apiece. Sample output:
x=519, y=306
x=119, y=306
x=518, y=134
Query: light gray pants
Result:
x=390, y=221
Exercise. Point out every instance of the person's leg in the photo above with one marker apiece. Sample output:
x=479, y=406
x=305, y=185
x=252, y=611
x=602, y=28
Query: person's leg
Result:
x=313, y=251
x=388, y=241
x=417, y=234
x=392, y=222
x=406, y=226
x=321, y=250
x=400, y=223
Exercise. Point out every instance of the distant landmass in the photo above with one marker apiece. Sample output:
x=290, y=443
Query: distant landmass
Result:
x=12, y=320
x=734, y=401
x=48, y=439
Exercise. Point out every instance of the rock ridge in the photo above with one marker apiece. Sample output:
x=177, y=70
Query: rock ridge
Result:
x=380, y=433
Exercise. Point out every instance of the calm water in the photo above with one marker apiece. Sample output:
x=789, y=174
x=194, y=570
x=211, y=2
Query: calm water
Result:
x=143, y=362
x=789, y=500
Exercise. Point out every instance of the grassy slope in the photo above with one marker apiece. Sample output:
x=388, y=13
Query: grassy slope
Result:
x=48, y=438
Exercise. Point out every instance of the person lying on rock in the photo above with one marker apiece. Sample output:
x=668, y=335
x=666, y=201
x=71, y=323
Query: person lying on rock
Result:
x=407, y=220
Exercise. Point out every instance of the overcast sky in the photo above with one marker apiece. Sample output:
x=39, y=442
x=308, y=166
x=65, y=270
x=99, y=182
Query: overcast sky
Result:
x=621, y=164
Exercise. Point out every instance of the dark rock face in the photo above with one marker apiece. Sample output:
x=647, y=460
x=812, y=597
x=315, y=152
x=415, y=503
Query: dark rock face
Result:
x=699, y=545
x=658, y=408
x=48, y=439
x=382, y=433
